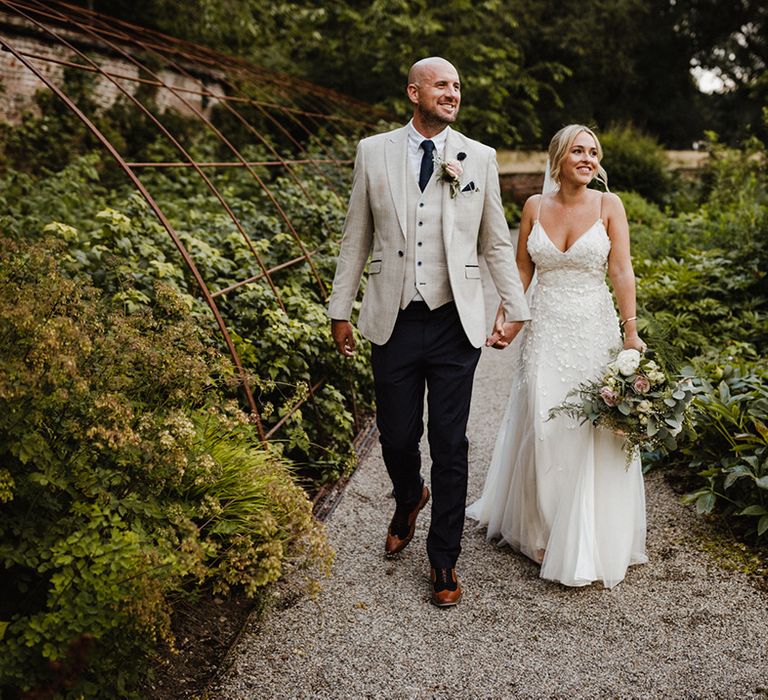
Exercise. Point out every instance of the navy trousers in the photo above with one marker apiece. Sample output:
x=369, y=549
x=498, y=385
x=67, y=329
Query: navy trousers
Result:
x=428, y=350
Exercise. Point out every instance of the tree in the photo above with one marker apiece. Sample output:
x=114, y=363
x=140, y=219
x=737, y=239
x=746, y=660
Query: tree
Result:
x=528, y=66
x=731, y=40
x=626, y=62
x=365, y=48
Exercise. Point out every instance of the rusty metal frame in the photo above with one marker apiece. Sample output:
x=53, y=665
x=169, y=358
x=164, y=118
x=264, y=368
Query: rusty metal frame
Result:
x=308, y=108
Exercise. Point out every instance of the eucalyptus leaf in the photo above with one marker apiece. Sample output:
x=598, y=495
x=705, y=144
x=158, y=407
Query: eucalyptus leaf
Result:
x=670, y=442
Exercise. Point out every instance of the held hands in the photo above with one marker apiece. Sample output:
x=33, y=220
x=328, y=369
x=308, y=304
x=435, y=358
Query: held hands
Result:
x=343, y=337
x=503, y=334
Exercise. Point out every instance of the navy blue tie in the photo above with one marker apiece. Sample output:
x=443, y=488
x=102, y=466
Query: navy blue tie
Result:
x=427, y=163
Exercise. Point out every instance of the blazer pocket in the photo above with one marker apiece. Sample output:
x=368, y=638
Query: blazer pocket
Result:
x=374, y=267
x=472, y=272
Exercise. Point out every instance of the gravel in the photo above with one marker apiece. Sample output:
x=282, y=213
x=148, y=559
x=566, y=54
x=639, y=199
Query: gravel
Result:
x=680, y=626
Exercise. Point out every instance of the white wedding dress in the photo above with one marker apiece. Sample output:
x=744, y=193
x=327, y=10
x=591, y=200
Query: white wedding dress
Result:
x=557, y=491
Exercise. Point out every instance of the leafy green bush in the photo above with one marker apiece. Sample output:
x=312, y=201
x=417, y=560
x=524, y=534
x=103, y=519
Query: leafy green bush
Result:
x=703, y=300
x=53, y=182
x=114, y=237
x=730, y=452
x=635, y=162
x=128, y=478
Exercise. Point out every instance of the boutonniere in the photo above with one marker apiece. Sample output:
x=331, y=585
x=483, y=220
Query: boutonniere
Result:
x=450, y=171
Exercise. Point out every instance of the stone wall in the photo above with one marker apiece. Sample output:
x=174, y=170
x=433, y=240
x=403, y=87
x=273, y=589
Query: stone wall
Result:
x=19, y=84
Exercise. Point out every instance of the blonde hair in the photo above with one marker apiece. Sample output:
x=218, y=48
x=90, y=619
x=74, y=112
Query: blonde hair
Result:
x=560, y=145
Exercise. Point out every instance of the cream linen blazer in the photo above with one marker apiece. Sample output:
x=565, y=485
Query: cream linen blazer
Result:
x=376, y=228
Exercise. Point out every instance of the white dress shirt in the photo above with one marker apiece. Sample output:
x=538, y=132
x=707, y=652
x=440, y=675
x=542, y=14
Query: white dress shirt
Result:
x=415, y=152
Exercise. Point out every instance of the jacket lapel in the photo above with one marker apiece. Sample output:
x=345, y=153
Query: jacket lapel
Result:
x=452, y=147
x=396, y=157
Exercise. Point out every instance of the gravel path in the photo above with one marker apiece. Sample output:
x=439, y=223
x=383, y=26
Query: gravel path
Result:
x=677, y=627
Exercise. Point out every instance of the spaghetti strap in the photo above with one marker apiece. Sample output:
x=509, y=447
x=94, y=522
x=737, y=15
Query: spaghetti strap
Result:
x=602, y=199
x=538, y=209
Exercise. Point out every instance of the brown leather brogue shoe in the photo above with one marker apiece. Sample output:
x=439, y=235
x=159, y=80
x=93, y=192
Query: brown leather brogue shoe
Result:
x=446, y=590
x=403, y=526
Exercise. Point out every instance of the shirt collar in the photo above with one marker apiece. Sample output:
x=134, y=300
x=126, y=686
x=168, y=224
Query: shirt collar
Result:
x=438, y=139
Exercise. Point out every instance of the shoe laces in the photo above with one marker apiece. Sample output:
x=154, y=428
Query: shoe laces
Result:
x=444, y=580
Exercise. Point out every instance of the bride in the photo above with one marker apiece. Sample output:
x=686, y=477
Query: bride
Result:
x=557, y=491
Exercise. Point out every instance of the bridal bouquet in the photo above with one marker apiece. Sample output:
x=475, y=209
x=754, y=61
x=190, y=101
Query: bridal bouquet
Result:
x=635, y=399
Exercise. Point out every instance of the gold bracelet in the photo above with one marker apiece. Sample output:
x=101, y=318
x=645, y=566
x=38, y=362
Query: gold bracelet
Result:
x=627, y=320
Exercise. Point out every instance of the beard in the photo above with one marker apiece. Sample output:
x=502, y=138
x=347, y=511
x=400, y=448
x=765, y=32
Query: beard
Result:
x=434, y=118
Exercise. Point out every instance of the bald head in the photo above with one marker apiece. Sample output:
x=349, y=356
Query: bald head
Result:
x=434, y=90
x=427, y=66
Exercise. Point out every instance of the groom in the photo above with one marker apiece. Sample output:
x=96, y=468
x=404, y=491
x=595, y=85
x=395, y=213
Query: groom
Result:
x=425, y=200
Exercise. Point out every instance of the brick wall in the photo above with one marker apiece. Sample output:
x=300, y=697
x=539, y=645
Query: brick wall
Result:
x=19, y=84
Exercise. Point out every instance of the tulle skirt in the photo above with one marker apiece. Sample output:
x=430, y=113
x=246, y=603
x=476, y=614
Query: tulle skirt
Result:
x=558, y=491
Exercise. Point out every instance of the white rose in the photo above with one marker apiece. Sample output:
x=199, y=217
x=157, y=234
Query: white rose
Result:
x=627, y=361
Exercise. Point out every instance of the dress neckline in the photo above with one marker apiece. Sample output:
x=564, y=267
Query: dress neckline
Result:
x=570, y=247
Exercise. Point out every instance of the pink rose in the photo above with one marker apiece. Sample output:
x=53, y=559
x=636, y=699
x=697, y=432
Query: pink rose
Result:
x=609, y=396
x=454, y=169
x=641, y=385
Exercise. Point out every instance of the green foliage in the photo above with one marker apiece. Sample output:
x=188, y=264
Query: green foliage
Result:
x=703, y=294
x=730, y=452
x=128, y=478
x=526, y=65
x=732, y=45
x=364, y=49
x=635, y=162
x=500, y=87
x=114, y=237
x=641, y=212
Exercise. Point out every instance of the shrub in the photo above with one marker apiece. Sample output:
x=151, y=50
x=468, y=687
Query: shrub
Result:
x=703, y=299
x=635, y=162
x=115, y=239
x=128, y=478
x=730, y=449
x=54, y=182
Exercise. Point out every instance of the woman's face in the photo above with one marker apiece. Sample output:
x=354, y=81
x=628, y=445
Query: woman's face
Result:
x=580, y=163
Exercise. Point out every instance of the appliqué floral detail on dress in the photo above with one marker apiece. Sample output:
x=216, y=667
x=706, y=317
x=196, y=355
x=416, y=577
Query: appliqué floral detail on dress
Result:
x=450, y=171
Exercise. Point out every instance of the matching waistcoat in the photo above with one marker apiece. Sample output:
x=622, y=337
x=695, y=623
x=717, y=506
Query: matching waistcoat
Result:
x=426, y=268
